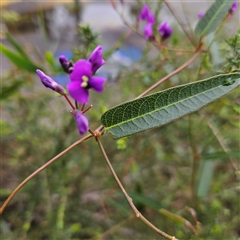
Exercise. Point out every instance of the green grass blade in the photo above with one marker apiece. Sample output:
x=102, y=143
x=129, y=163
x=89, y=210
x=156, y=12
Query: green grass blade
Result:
x=8, y=91
x=163, y=107
x=18, y=60
x=213, y=17
x=205, y=178
x=17, y=46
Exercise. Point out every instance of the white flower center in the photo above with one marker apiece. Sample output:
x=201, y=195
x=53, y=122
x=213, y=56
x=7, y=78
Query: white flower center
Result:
x=85, y=81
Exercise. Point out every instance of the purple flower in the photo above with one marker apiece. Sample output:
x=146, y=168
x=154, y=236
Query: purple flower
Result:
x=50, y=83
x=149, y=17
x=234, y=6
x=66, y=65
x=82, y=122
x=146, y=15
x=148, y=32
x=165, y=30
x=82, y=80
x=96, y=59
x=200, y=14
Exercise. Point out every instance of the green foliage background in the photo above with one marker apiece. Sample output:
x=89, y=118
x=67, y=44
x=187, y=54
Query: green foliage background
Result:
x=183, y=164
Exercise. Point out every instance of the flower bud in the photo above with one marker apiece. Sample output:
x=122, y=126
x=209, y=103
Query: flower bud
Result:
x=50, y=83
x=82, y=122
x=66, y=65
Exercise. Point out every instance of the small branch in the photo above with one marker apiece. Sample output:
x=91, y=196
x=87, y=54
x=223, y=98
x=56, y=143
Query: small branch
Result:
x=66, y=97
x=220, y=139
x=129, y=199
x=186, y=31
x=192, y=59
x=40, y=169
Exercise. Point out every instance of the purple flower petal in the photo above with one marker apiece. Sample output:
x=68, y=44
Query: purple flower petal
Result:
x=97, y=83
x=81, y=68
x=50, y=83
x=165, y=30
x=82, y=122
x=96, y=59
x=63, y=59
x=77, y=92
x=148, y=30
x=151, y=18
x=234, y=6
x=144, y=13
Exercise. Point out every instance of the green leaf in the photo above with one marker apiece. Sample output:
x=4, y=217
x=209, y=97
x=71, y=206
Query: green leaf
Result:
x=165, y=106
x=213, y=17
x=51, y=61
x=18, y=60
x=205, y=178
x=221, y=155
x=17, y=46
x=8, y=91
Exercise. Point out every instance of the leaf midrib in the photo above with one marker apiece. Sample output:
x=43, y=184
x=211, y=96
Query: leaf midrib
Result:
x=156, y=110
x=213, y=18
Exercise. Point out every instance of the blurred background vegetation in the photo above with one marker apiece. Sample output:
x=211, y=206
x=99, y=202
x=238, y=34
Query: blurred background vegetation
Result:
x=180, y=175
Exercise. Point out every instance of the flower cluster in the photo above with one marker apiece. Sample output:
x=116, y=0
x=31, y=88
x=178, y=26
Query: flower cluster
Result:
x=82, y=77
x=81, y=81
x=146, y=15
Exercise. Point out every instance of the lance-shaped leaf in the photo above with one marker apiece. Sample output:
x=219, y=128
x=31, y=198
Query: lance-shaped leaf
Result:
x=18, y=60
x=213, y=17
x=165, y=106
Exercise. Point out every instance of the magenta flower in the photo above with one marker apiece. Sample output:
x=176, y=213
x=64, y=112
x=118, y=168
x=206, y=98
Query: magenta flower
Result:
x=164, y=30
x=149, y=17
x=234, y=6
x=82, y=79
x=96, y=59
x=146, y=15
x=148, y=32
x=50, y=83
x=200, y=14
x=66, y=65
x=82, y=122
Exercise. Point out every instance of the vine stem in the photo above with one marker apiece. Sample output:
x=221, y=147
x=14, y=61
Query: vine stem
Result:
x=128, y=198
x=40, y=169
x=192, y=59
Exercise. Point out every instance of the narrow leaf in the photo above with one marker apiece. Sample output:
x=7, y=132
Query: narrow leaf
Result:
x=205, y=178
x=17, y=46
x=51, y=61
x=18, y=60
x=213, y=17
x=8, y=91
x=165, y=106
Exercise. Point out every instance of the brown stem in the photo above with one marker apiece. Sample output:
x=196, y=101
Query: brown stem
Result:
x=186, y=31
x=192, y=59
x=40, y=169
x=66, y=97
x=129, y=199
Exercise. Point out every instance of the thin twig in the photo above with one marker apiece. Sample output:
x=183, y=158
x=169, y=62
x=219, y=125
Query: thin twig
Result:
x=40, y=169
x=220, y=139
x=128, y=198
x=186, y=31
x=68, y=100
